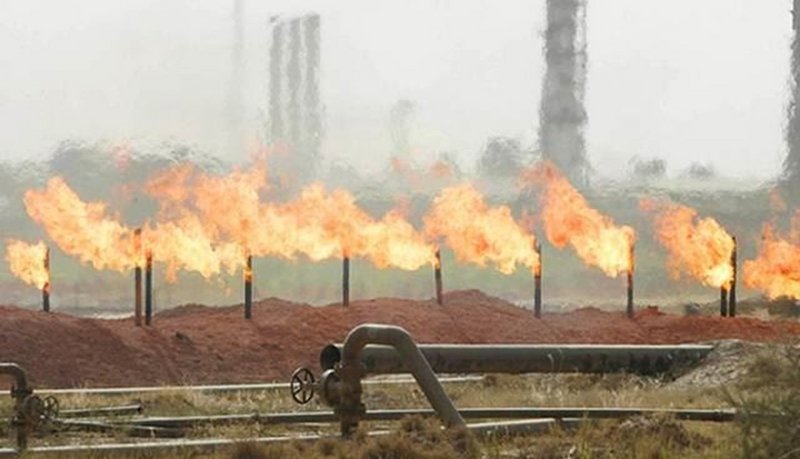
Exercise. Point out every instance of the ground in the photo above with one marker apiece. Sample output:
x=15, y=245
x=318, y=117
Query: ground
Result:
x=197, y=344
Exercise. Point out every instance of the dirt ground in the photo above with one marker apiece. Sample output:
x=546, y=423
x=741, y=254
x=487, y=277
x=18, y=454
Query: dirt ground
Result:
x=200, y=345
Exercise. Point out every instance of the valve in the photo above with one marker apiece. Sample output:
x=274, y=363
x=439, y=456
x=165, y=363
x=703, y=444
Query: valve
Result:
x=303, y=385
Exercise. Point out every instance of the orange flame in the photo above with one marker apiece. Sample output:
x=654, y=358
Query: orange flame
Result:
x=776, y=269
x=27, y=262
x=86, y=231
x=699, y=247
x=568, y=219
x=318, y=224
x=478, y=233
x=80, y=229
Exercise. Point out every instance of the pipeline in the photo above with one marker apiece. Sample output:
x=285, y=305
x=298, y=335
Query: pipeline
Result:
x=182, y=422
x=222, y=388
x=351, y=371
x=124, y=410
x=536, y=358
x=217, y=444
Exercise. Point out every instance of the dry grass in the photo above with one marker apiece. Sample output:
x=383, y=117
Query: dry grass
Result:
x=658, y=437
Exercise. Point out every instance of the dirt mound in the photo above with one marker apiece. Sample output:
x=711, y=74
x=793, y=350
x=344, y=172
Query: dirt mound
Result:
x=197, y=344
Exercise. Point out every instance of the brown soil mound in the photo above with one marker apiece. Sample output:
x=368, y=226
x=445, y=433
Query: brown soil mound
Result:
x=195, y=344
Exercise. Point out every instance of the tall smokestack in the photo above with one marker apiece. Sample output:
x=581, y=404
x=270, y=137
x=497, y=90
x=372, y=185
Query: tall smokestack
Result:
x=294, y=77
x=313, y=119
x=791, y=165
x=235, y=98
x=276, y=127
x=562, y=114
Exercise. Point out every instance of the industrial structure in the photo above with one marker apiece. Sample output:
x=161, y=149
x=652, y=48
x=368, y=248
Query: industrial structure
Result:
x=295, y=112
x=562, y=115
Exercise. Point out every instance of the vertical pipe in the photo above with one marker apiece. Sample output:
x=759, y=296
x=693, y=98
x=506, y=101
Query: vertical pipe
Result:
x=437, y=277
x=137, y=307
x=723, y=301
x=537, y=284
x=248, y=288
x=732, y=291
x=346, y=281
x=148, y=288
x=630, y=281
x=46, y=286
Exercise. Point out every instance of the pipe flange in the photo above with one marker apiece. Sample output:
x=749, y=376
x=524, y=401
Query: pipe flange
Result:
x=330, y=388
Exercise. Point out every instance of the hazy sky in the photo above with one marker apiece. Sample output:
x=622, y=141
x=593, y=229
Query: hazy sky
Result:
x=684, y=80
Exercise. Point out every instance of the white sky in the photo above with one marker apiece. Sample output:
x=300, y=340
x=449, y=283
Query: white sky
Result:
x=684, y=80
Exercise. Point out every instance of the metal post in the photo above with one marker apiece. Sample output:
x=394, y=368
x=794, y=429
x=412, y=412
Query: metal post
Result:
x=346, y=281
x=630, y=281
x=148, y=289
x=537, y=284
x=137, y=306
x=723, y=301
x=248, y=288
x=437, y=276
x=46, y=286
x=732, y=292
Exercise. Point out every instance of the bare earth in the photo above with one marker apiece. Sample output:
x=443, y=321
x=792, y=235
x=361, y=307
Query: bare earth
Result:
x=200, y=345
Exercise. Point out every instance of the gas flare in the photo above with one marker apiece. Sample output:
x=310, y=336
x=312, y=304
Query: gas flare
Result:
x=699, y=247
x=776, y=269
x=569, y=220
x=478, y=233
x=318, y=224
x=85, y=230
x=27, y=262
x=80, y=229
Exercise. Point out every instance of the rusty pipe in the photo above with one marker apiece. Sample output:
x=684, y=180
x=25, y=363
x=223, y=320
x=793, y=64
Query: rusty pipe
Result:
x=346, y=281
x=537, y=284
x=437, y=277
x=148, y=289
x=22, y=386
x=401, y=342
x=46, y=287
x=248, y=288
x=732, y=291
x=631, y=259
x=137, y=274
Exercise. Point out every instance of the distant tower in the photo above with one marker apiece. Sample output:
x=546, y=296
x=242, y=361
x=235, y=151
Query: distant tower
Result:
x=295, y=119
x=562, y=114
x=235, y=96
x=791, y=166
x=276, y=128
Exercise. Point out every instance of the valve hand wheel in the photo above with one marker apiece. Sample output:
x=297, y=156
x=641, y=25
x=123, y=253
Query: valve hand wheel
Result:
x=51, y=407
x=302, y=385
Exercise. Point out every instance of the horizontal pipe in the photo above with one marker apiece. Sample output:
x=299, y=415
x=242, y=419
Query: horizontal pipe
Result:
x=221, y=388
x=538, y=358
x=101, y=411
x=131, y=430
x=707, y=415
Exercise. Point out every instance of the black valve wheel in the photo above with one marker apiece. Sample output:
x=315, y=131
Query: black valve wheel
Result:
x=51, y=408
x=303, y=385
